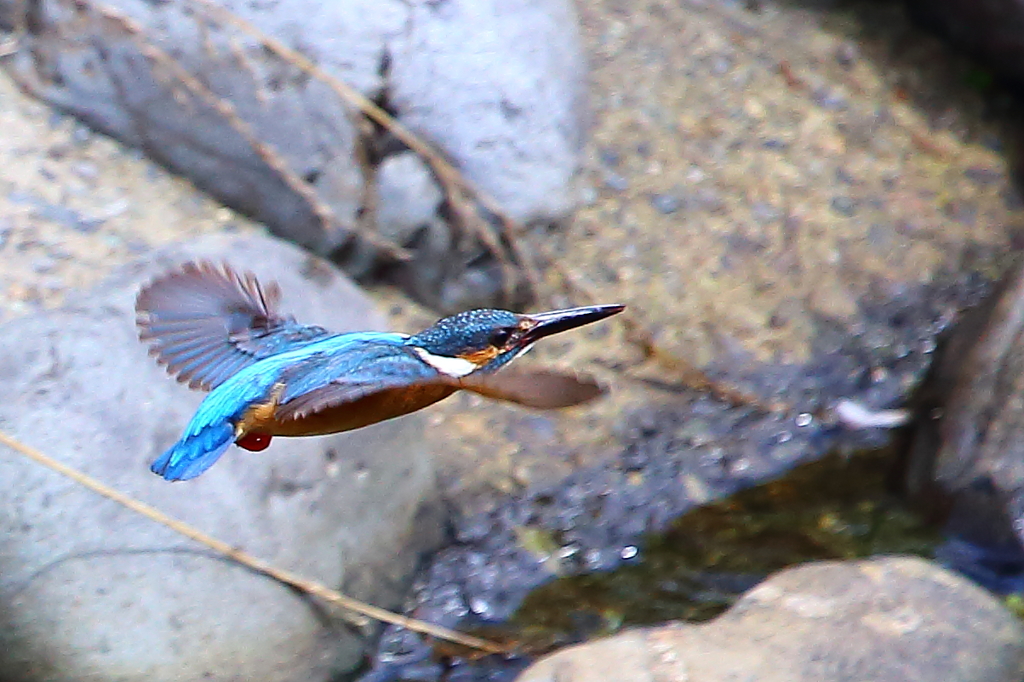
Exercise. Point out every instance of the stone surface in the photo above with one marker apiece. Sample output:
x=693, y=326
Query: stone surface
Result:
x=764, y=116
x=966, y=452
x=892, y=619
x=816, y=195
x=90, y=590
x=409, y=199
x=82, y=203
x=497, y=86
x=769, y=126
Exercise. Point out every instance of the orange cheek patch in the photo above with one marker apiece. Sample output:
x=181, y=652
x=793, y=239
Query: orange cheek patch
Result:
x=481, y=357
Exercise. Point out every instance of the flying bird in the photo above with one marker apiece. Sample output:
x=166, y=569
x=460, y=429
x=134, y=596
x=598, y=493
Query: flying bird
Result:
x=268, y=375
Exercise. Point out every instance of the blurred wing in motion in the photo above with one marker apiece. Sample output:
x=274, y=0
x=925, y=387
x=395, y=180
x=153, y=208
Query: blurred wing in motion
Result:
x=543, y=389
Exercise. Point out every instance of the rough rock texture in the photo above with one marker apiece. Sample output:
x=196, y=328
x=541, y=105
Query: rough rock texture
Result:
x=796, y=200
x=894, y=619
x=89, y=590
x=967, y=450
x=74, y=205
x=498, y=86
x=992, y=30
x=730, y=149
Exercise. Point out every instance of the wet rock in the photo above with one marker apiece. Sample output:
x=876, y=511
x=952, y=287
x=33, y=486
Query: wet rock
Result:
x=897, y=619
x=497, y=86
x=967, y=452
x=975, y=384
x=89, y=590
x=991, y=29
x=758, y=281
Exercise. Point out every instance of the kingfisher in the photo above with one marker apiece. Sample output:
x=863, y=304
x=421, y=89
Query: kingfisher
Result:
x=267, y=375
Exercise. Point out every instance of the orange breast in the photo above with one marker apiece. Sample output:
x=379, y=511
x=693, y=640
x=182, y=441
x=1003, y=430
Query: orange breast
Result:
x=374, y=408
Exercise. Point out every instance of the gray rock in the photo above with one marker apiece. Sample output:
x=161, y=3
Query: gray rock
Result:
x=216, y=107
x=498, y=86
x=409, y=198
x=893, y=619
x=967, y=452
x=89, y=590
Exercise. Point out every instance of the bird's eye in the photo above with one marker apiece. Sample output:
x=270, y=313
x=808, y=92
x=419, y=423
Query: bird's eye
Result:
x=501, y=337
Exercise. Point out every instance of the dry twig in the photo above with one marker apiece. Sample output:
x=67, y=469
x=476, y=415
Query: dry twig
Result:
x=268, y=154
x=463, y=197
x=309, y=587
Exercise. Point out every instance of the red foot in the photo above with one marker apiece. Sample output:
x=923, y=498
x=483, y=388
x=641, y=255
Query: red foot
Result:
x=254, y=442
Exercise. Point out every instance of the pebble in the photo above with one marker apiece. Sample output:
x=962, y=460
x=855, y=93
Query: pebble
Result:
x=609, y=157
x=844, y=206
x=85, y=170
x=963, y=212
x=43, y=265
x=87, y=225
x=666, y=203
x=81, y=135
x=844, y=176
x=764, y=212
x=827, y=99
x=847, y=54
x=616, y=182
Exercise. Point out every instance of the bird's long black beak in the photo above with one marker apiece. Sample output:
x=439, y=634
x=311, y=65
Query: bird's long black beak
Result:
x=546, y=324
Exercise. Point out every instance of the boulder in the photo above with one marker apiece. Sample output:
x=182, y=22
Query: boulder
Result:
x=497, y=86
x=900, y=619
x=90, y=590
x=966, y=460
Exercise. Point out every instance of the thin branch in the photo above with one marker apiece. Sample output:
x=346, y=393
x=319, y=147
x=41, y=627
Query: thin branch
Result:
x=310, y=587
x=226, y=110
x=459, y=190
x=640, y=336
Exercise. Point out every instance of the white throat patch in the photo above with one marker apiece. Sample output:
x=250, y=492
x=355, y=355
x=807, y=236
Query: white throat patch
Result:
x=453, y=367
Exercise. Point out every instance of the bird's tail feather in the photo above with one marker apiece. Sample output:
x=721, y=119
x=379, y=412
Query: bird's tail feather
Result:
x=192, y=455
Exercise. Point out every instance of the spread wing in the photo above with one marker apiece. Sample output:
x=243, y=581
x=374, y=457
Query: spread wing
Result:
x=205, y=323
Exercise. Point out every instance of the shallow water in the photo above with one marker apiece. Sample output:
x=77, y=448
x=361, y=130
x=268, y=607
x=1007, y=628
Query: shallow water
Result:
x=840, y=507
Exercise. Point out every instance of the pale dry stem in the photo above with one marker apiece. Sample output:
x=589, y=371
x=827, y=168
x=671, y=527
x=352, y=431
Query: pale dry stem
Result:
x=306, y=586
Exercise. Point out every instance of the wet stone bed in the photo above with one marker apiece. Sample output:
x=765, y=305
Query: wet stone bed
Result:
x=624, y=563
x=586, y=541
x=627, y=515
x=598, y=531
x=839, y=507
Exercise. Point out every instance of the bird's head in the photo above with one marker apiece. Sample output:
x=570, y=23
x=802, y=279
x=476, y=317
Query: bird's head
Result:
x=485, y=340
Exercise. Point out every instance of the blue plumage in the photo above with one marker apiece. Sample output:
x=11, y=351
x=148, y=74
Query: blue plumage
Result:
x=269, y=375
x=309, y=367
x=194, y=454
